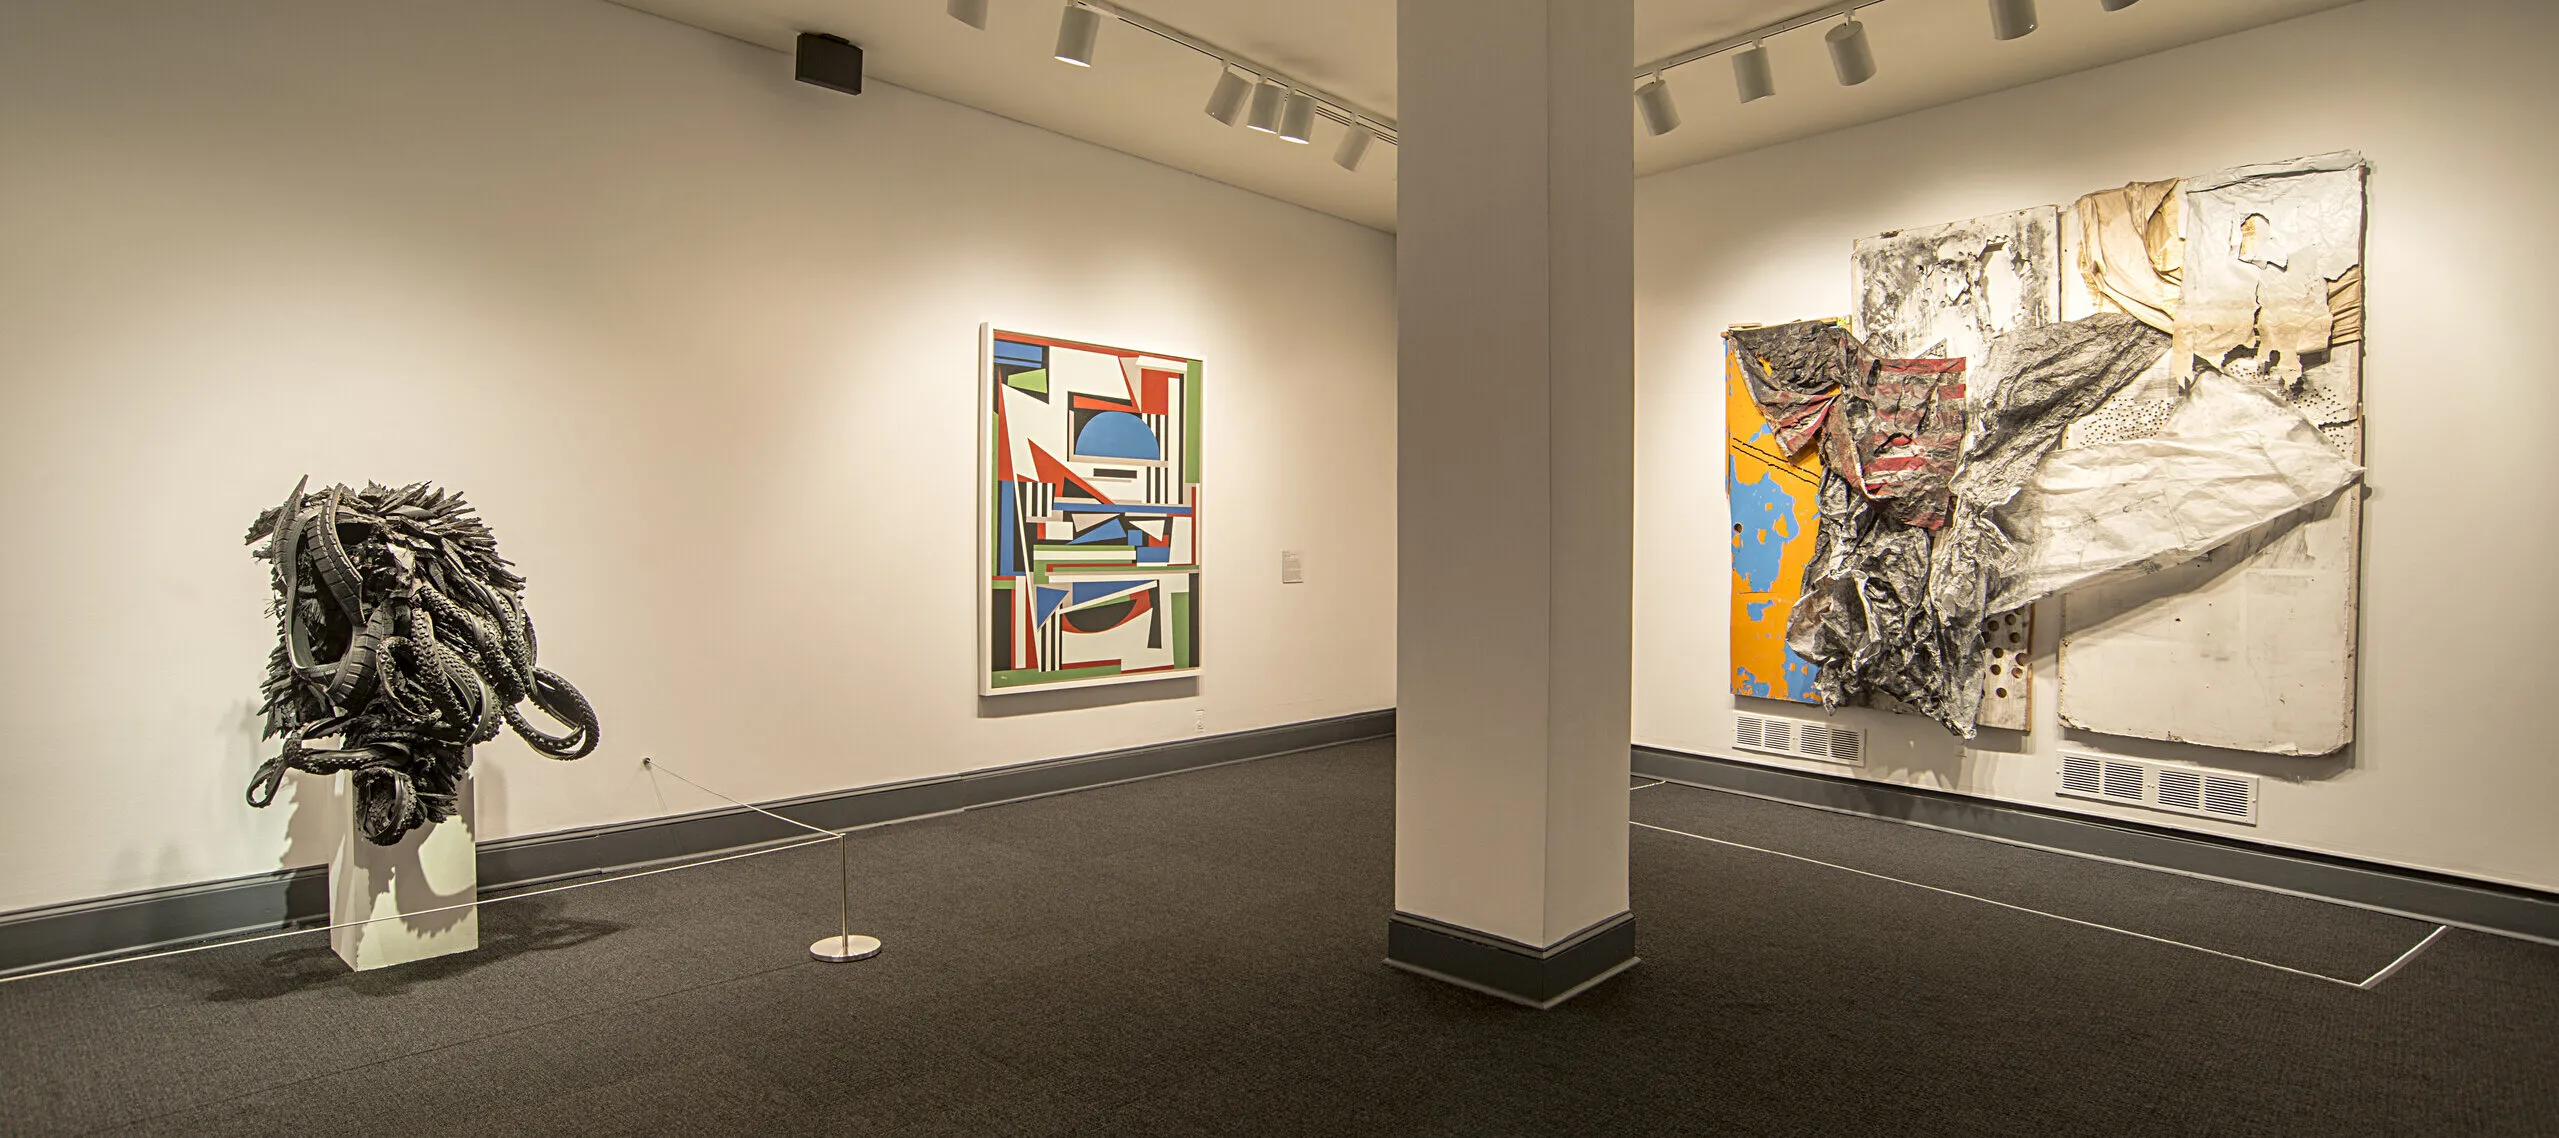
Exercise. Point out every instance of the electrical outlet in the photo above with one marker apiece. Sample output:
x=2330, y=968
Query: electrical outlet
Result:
x=1199, y=721
x=1292, y=568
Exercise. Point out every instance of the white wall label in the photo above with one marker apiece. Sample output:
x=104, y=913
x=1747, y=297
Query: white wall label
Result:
x=1292, y=568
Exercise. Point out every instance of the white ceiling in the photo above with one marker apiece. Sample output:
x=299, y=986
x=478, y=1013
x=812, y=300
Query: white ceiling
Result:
x=1144, y=96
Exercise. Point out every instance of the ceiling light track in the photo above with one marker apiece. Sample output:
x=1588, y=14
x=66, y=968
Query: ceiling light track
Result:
x=1317, y=102
x=1852, y=58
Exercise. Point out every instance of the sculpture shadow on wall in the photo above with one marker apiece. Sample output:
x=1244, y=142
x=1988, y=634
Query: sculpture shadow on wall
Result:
x=1075, y=699
x=507, y=930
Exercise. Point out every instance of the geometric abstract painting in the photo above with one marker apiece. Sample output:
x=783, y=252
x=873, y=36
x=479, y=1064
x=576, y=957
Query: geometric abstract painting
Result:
x=1089, y=498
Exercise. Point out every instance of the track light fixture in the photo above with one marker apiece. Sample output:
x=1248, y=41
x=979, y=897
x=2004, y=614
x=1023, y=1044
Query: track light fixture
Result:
x=1354, y=147
x=1661, y=116
x=2011, y=19
x=1297, y=117
x=1266, y=107
x=1076, y=30
x=1258, y=96
x=1226, y=103
x=1752, y=79
x=1851, y=57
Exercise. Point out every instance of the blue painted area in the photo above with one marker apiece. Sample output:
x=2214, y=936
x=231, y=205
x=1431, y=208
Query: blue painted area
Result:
x=1046, y=601
x=1756, y=610
x=1750, y=684
x=1765, y=509
x=1107, y=533
x=1020, y=355
x=1117, y=434
x=1155, y=555
x=1007, y=519
x=1095, y=590
x=1800, y=674
x=1765, y=431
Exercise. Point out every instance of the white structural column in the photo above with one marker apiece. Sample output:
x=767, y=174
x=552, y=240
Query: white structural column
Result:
x=1515, y=492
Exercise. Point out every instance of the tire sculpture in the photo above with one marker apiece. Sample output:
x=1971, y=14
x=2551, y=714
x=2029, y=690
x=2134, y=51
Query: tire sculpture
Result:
x=402, y=635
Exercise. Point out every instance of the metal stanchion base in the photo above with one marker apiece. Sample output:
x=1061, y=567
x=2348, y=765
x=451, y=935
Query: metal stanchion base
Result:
x=839, y=949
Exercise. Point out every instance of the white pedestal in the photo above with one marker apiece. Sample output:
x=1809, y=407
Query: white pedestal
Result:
x=433, y=867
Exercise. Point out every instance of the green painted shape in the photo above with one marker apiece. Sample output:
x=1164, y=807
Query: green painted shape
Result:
x=1035, y=382
x=1181, y=605
x=1005, y=583
x=1191, y=424
x=1019, y=677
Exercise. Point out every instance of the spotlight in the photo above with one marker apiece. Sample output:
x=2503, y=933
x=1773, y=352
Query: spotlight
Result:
x=2116, y=5
x=1661, y=116
x=2011, y=19
x=1354, y=147
x=1226, y=103
x=1076, y=30
x=1297, y=117
x=1850, y=55
x=1266, y=107
x=1751, y=77
x=970, y=12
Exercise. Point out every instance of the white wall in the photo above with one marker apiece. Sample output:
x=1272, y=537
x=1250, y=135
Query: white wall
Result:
x=699, y=342
x=2452, y=769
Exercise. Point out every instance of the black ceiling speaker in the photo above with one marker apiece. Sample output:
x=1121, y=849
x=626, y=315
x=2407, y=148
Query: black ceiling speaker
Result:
x=832, y=62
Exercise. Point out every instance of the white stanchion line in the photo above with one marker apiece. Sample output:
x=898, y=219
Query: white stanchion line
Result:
x=2366, y=984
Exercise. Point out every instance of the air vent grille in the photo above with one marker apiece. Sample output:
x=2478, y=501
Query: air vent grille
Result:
x=2160, y=786
x=1799, y=739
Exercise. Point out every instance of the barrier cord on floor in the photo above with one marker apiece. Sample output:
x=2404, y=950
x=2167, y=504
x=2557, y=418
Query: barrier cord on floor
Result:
x=825, y=835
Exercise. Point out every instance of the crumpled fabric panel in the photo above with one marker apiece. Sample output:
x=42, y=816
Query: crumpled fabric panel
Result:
x=2268, y=247
x=2234, y=456
x=2131, y=251
x=1795, y=372
x=1899, y=435
x=2041, y=380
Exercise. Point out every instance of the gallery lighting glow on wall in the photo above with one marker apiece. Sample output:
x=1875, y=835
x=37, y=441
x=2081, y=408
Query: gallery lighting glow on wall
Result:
x=1661, y=116
x=1077, y=28
x=2012, y=19
x=1851, y=57
x=970, y=12
x=1752, y=79
x=1226, y=103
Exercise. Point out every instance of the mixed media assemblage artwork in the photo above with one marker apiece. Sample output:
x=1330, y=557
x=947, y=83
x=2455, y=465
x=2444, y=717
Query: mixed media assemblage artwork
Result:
x=2148, y=405
x=1089, y=497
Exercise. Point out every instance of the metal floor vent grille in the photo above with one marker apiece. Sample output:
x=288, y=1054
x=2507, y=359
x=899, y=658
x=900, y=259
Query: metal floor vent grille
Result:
x=2160, y=786
x=1799, y=738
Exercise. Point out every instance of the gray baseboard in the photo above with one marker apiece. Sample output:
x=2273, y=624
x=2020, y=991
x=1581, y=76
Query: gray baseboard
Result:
x=1537, y=977
x=2440, y=898
x=55, y=935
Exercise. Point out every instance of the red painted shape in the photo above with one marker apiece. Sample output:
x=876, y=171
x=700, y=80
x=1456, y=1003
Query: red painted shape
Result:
x=1055, y=472
x=1154, y=394
x=1044, y=341
x=1097, y=403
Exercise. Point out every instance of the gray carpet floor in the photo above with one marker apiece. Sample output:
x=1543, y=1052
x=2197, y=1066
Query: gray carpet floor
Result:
x=1200, y=954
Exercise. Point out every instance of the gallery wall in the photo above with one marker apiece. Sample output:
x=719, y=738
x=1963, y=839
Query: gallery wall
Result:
x=2448, y=771
x=700, y=343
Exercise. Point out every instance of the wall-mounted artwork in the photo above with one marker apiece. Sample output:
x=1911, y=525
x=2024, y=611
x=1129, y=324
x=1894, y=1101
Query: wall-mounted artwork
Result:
x=1089, y=514
x=2172, y=460
x=1774, y=498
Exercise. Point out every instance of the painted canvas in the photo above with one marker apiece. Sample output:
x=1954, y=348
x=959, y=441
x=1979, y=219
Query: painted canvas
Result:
x=1775, y=509
x=1089, y=508
x=2258, y=274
